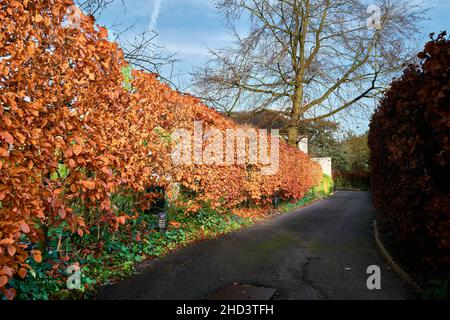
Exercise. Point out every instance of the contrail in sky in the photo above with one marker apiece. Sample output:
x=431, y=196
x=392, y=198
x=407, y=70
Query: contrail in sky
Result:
x=155, y=15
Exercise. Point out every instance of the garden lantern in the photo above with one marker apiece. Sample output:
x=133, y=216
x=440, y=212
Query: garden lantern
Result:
x=275, y=201
x=162, y=222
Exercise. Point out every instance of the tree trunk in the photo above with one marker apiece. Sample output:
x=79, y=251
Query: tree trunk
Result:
x=292, y=132
x=292, y=129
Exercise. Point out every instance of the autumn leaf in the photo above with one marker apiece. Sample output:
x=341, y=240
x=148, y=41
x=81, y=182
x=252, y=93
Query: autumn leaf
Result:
x=6, y=271
x=20, y=137
x=103, y=33
x=68, y=153
x=3, y=281
x=90, y=185
x=77, y=149
x=175, y=224
x=24, y=227
x=73, y=188
x=11, y=250
x=4, y=152
x=72, y=163
x=22, y=273
x=37, y=256
x=6, y=242
x=62, y=213
x=38, y=18
x=7, y=137
x=121, y=219
x=7, y=122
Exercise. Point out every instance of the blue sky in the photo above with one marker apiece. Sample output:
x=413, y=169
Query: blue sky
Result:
x=185, y=27
x=190, y=27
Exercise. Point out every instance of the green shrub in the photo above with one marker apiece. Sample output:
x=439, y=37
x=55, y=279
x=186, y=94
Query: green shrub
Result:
x=323, y=190
x=353, y=180
x=326, y=186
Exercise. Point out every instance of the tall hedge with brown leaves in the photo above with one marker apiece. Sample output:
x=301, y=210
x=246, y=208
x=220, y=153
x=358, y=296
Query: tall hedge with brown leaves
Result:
x=410, y=159
x=220, y=185
x=63, y=102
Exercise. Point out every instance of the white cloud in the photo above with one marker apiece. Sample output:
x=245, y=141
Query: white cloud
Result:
x=155, y=15
x=194, y=45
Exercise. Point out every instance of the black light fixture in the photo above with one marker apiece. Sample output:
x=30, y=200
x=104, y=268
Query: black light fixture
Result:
x=276, y=200
x=162, y=222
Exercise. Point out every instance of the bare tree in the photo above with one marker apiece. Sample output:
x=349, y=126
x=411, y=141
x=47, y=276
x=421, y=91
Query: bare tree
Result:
x=310, y=59
x=140, y=49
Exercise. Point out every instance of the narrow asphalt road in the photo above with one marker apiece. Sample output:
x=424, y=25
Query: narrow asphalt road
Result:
x=319, y=252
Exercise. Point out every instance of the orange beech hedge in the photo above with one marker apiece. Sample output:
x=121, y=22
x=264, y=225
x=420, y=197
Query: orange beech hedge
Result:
x=410, y=159
x=219, y=185
x=63, y=102
x=60, y=92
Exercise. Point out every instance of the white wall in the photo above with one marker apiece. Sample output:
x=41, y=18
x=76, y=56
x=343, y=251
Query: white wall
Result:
x=325, y=163
x=303, y=145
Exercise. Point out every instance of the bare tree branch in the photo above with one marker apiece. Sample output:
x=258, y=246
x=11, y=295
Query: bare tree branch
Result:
x=140, y=49
x=309, y=58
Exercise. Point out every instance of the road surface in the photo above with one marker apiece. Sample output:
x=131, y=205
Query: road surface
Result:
x=321, y=251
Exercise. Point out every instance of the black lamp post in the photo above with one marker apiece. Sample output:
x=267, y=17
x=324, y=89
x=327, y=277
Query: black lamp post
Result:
x=162, y=222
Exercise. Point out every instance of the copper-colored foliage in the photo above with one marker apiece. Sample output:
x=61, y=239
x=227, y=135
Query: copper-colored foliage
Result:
x=410, y=160
x=63, y=102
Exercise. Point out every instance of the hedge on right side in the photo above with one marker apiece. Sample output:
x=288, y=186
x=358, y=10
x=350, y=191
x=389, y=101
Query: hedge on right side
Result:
x=410, y=157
